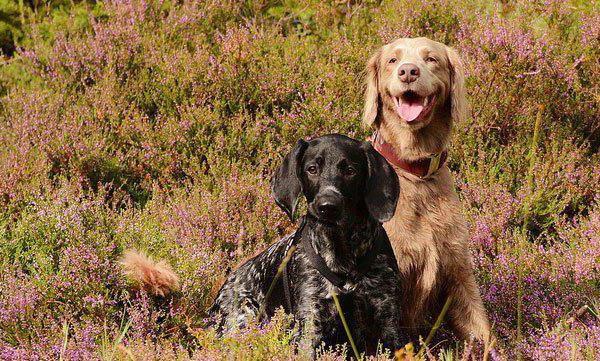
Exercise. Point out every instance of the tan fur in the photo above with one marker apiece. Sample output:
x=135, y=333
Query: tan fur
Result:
x=428, y=231
x=156, y=278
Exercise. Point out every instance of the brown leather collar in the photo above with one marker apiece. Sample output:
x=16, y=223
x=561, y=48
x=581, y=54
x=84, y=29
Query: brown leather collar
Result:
x=422, y=168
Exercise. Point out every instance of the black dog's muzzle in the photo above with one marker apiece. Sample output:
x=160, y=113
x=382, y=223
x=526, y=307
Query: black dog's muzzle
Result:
x=328, y=204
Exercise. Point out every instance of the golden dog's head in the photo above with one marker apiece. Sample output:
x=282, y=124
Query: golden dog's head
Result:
x=414, y=82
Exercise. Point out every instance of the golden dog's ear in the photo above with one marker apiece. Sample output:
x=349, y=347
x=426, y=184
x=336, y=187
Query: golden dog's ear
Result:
x=372, y=91
x=458, y=92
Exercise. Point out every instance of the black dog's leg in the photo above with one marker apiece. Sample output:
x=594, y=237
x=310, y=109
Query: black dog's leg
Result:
x=246, y=311
x=309, y=314
x=237, y=312
x=383, y=294
x=309, y=336
x=388, y=317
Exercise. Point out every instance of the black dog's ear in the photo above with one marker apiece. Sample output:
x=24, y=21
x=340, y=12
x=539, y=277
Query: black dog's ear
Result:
x=285, y=181
x=382, y=186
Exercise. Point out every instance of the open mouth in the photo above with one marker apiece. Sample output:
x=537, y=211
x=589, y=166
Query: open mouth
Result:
x=410, y=106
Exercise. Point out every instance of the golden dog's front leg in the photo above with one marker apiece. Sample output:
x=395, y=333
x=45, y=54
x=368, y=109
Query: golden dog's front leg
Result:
x=467, y=315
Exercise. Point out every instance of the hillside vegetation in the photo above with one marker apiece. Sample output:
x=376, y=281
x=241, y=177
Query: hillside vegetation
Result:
x=156, y=125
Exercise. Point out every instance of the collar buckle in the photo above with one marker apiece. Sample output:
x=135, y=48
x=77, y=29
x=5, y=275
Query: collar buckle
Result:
x=434, y=164
x=422, y=168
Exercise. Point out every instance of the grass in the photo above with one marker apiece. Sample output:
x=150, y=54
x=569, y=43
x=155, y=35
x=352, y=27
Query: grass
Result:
x=532, y=160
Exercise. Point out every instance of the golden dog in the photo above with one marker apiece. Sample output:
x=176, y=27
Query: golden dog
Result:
x=415, y=91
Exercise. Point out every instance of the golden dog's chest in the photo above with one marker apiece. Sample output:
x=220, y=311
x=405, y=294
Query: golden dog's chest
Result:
x=424, y=232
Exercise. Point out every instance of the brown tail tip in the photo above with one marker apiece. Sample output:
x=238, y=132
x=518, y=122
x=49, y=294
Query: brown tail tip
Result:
x=156, y=278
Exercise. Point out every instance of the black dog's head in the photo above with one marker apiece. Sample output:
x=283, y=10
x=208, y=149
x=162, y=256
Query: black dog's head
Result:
x=341, y=178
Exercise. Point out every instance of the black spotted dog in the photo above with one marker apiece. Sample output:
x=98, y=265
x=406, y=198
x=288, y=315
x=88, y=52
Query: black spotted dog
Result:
x=340, y=247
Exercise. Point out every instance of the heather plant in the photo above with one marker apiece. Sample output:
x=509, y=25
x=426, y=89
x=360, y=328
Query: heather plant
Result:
x=156, y=125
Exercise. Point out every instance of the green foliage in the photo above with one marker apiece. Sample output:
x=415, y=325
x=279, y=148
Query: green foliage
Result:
x=10, y=25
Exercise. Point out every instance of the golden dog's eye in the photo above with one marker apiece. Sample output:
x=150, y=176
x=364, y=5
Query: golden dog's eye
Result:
x=431, y=59
x=392, y=61
x=312, y=169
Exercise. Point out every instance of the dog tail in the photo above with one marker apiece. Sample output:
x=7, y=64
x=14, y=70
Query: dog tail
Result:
x=156, y=278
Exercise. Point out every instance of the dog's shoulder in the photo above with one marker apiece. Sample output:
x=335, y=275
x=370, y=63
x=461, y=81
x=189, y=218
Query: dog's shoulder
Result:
x=268, y=258
x=254, y=274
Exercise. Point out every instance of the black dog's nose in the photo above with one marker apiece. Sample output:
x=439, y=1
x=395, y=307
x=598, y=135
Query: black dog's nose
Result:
x=328, y=209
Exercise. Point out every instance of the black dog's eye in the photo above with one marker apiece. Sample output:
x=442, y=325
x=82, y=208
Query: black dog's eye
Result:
x=312, y=169
x=350, y=171
x=392, y=60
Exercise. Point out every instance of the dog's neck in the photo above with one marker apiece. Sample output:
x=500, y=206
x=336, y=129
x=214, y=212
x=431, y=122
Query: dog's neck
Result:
x=415, y=144
x=340, y=247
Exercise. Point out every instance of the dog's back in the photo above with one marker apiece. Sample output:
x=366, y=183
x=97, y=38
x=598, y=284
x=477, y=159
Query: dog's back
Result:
x=244, y=294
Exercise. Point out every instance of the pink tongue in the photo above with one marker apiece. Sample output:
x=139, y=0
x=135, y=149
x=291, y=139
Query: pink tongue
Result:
x=409, y=111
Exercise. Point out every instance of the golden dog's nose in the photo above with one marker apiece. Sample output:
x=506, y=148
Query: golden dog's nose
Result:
x=408, y=72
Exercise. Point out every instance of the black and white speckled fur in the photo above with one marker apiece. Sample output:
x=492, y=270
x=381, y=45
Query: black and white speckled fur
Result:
x=370, y=300
x=370, y=307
